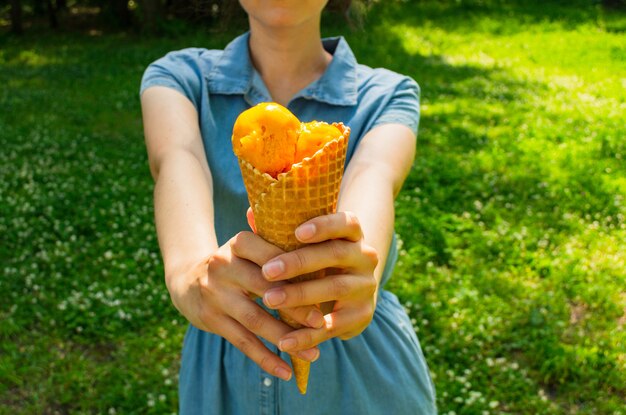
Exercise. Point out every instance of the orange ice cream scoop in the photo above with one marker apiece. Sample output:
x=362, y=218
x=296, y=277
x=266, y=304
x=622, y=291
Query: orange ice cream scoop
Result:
x=312, y=136
x=266, y=136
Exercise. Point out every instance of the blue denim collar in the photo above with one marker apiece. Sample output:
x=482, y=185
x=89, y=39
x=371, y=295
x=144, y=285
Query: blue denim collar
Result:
x=233, y=74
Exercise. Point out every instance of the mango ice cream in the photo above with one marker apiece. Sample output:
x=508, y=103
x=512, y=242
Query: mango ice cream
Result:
x=272, y=139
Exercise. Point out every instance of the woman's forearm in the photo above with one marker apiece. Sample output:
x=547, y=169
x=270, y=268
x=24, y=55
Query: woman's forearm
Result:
x=373, y=180
x=373, y=206
x=183, y=211
x=183, y=186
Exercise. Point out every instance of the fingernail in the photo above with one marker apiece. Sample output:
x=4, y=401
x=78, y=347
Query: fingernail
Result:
x=282, y=373
x=315, y=319
x=274, y=297
x=287, y=344
x=329, y=321
x=273, y=268
x=305, y=232
x=310, y=355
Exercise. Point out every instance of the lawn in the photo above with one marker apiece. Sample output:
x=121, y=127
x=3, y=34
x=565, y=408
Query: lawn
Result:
x=512, y=221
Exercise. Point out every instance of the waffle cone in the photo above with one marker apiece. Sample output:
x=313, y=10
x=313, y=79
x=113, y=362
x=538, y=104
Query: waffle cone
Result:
x=309, y=189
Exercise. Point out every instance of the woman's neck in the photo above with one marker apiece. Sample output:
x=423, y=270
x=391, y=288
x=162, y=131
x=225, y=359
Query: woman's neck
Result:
x=288, y=59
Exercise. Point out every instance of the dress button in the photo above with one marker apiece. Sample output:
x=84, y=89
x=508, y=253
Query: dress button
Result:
x=267, y=382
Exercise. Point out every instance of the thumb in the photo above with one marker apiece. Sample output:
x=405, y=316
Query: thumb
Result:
x=250, y=217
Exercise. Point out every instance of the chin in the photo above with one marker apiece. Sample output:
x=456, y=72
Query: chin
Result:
x=280, y=18
x=283, y=13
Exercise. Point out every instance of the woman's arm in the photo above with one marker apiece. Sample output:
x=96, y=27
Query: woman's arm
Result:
x=373, y=180
x=354, y=241
x=183, y=192
x=210, y=285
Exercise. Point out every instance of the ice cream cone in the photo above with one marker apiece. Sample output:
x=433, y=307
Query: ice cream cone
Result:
x=280, y=205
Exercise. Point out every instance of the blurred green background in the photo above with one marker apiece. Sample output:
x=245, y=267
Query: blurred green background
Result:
x=512, y=221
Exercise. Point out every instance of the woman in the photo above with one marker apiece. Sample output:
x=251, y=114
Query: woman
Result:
x=367, y=357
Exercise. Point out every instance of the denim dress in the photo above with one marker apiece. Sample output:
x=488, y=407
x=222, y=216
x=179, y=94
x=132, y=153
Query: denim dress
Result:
x=381, y=371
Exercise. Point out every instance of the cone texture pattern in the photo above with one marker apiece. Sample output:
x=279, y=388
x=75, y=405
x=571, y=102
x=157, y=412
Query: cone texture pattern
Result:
x=309, y=189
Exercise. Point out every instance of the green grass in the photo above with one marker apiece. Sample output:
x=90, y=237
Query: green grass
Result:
x=512, y=221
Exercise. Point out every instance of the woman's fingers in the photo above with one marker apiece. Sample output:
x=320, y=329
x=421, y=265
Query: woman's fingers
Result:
x=257, y=321
x=252, y=247
x=340, y=225
x=307, y=315
x=250, y=315
x=228, y=270
x=330, y=288
x=344, y=324
x=251, y=346
x=227, y=281
x=337, y=253
x=249, y=278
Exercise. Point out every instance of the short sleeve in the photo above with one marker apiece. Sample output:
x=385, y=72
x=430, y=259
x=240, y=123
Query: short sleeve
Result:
x=180, y=70
x=403, y=107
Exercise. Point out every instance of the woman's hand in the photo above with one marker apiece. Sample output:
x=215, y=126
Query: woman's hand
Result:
x=217, y=296
x=335, y=242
